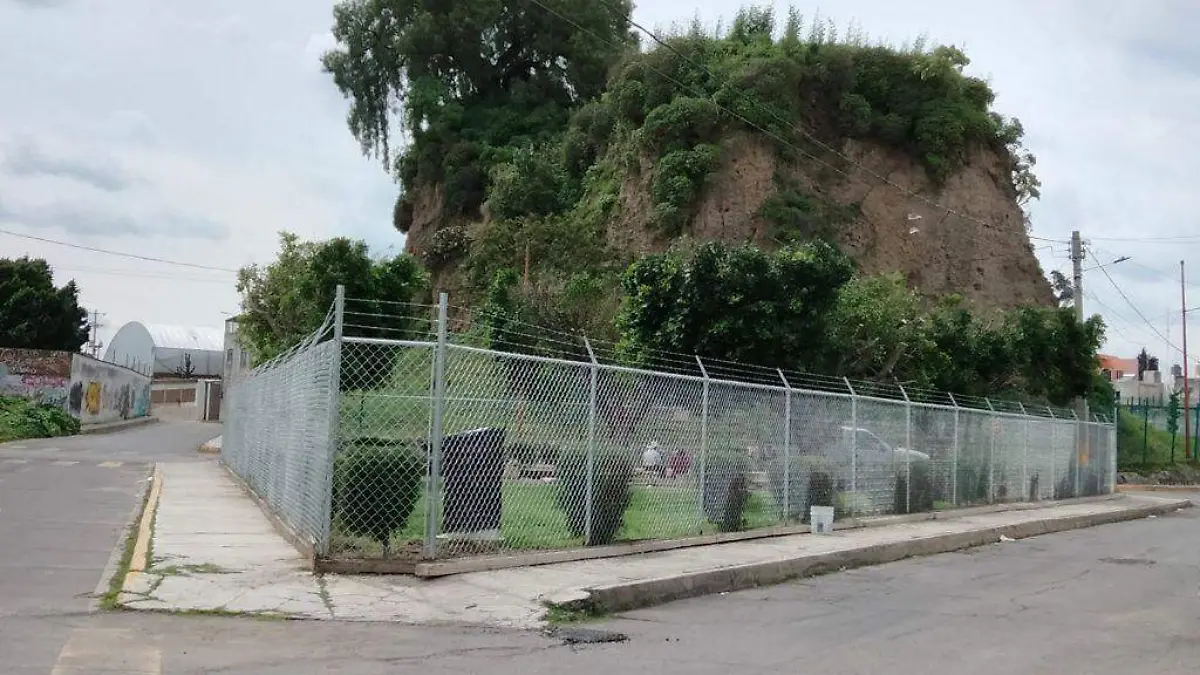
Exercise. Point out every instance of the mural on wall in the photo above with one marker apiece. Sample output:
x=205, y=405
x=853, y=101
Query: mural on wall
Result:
x=41, y=376
x=91, y=390
x=104, y=392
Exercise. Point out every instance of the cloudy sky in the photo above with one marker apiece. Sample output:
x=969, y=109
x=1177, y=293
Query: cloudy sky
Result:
x=194, y=132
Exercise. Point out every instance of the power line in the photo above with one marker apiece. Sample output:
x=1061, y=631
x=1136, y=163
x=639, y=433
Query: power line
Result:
x=816, y=141
x=120, y=254
x=1154, y=270
x=1115, y=314
x=138, y=274
x=1134, y=306
x=1150, y=240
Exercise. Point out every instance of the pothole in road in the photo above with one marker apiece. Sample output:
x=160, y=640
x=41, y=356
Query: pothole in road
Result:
x=1128, y=561
x=586, y=636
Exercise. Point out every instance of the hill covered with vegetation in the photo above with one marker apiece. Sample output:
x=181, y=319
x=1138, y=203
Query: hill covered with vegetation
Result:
x=557, y=167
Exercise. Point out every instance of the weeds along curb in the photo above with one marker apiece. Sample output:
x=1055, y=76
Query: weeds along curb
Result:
x=113, y=580
x=140, y=559
x=649, y=592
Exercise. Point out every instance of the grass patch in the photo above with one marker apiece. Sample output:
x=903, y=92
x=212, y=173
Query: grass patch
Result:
x=1142, y=448
x=261, y=616
x=581, y=612
x=531, y=520
x=184, y=570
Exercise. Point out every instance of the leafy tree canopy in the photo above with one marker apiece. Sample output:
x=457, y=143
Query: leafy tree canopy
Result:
x=282, y=303
x=801, y=309
x=464, y=75
x=740, y=304
x=36, y=315
x=477, y=82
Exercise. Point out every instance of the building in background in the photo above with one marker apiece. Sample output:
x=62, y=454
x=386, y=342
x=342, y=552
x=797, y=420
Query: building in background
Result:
x=1131, y=388
x=237, y=359
x=167, y=351
x=1192, y=382
x=186, y=364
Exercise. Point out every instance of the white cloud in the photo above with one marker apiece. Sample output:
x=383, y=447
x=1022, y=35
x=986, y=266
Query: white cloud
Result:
x=191, y=133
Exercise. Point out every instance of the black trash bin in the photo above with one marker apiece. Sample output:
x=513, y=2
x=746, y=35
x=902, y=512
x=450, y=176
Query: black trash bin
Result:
x=473, y=469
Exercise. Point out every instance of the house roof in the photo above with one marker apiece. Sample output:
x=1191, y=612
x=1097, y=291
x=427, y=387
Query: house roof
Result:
x=1117, y=363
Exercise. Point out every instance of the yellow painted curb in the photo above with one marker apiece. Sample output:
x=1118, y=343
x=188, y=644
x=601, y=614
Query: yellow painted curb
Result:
x=141, y=548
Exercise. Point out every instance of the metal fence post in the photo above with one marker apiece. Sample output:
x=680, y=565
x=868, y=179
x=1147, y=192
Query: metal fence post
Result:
x=908, y=449
x=992, y=454
x=954, y=455
x=1053, y=453
x=433, y=499
x=335, y=410
x=787, y=446
x=703, y=440
x=853, y=438
x=1112, y=451
x=591, y=448
x=1145, y=433
x=1075, y=453
x=1025, y=455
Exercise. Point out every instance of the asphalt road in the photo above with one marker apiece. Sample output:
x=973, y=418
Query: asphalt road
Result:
x=1116, y=599
x=63, y=505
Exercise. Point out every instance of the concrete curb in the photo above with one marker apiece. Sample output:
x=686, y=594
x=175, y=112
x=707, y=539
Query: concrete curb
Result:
x=141, y=546
x=110, y=427
x=648, y=592
x=1158, y=488
x=440, y=568
x=114, y=559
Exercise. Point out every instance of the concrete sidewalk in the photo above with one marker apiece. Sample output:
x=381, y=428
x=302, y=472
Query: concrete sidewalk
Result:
x=214, y=550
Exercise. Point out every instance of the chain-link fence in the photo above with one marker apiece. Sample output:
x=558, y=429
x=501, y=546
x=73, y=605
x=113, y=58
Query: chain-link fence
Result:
x=278, y=434
x=445, y=448
x=1153, y=435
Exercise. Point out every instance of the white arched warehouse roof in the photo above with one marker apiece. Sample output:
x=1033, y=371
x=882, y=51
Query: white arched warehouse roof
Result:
x=186, y=337
x=167, y=350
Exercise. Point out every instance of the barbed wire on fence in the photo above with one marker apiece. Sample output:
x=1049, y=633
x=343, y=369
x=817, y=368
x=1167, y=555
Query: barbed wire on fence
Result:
x=469, y=327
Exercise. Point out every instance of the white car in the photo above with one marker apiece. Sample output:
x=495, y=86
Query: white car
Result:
x=871, y=448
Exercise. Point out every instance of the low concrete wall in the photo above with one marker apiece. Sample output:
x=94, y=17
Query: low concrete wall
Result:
x=37, y=374
x=104, y=392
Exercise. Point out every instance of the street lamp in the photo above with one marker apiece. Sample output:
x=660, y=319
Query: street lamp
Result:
x=1107, y=264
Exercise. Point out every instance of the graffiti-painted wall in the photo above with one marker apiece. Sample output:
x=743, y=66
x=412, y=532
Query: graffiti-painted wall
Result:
x=105, y=392
x=37, y=374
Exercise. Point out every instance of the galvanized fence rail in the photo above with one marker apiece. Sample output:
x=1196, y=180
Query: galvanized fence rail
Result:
x=393, y=436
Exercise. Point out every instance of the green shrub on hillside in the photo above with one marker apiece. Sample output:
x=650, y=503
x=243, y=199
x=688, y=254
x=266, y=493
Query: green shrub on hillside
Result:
x=776, y=79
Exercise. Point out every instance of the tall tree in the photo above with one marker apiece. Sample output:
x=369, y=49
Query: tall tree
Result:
x=417, y=65
x=287, y=300
x=33, y=313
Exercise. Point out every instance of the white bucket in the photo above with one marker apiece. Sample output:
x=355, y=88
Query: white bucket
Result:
x=822, y=519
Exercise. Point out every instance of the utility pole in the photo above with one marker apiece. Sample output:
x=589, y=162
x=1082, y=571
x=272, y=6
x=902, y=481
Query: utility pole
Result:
x=1077, y=274
x=93, y=342
x=1187, y=427
x=1081, y=450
